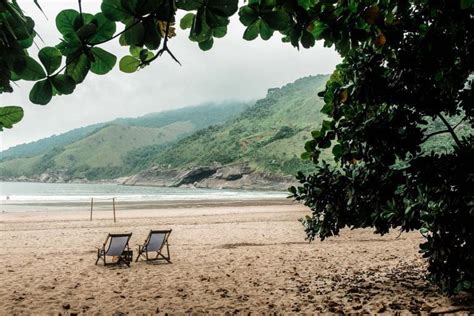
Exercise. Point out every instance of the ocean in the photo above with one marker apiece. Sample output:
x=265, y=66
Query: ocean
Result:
x=36, y=193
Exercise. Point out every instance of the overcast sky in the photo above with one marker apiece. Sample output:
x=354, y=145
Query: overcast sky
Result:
x=232, y=69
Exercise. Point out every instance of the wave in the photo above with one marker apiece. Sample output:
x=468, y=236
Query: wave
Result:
x=23, y=199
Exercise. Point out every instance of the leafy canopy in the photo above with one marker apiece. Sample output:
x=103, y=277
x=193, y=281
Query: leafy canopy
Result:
x=403, y=62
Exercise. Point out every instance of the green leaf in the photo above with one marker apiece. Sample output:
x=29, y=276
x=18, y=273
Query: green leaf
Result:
x=135, y=51
x=337, y=151
x=424, y=230
x=247, y=15
x=134, y=36
x=306, y=155
x=206, y=45
x=325, y=144
x=141, y=7
x=223, y=7
x=265, y=31
x=220, y=31
x=78, y=67
x=105, y=29
x=152, y=38
x=69, y=44
x=50, y=57
x=187, y=21
x=317, y=28
x=10, y=115
x=307, y=39
x=86, y=31
x=189, y=5
x=64, y=84
x=316, y=134
x=145, y=55
x=30, y=70
x=129, y=64
x=306, y=4
x=114, y=11
x=252, y=31
x=200, y=30
x=327, y=109
x=215, y=20
x=65, y=21
x=103, y=61
x=26, y=43
x=42, y=92
x=278, y=20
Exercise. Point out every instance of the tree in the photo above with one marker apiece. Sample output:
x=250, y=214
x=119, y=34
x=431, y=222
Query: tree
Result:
x=404, y=62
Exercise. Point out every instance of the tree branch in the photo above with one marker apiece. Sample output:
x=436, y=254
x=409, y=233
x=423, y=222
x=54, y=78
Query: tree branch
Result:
x=434, y=133
x=451, y=130
x=118, y=34
x=80, y=11
x=443, y=131
x=165, y=43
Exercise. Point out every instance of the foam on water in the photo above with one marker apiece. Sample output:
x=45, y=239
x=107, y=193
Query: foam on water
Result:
x=27, y=192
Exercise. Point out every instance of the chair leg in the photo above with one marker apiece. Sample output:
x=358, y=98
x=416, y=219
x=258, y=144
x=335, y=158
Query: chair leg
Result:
x=98, y=256
x=124, y=260
x=165, y=258
x=139, y=253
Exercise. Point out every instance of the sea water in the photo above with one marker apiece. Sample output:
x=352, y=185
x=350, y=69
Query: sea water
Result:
x=31, y=192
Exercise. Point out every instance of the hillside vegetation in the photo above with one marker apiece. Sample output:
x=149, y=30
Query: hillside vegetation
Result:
x=111, y=149
x=269, y=136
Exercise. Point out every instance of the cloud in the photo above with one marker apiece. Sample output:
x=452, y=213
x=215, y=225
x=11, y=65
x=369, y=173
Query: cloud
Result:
x=232, y=69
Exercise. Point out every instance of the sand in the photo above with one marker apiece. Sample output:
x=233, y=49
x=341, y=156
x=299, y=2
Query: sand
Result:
x=237, y=257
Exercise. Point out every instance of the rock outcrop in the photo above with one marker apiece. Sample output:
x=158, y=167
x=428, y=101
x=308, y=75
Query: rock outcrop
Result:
x=239, y=176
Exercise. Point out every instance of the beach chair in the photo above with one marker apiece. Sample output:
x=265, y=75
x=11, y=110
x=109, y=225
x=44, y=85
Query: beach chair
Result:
x=116, y=245
x=155, y=242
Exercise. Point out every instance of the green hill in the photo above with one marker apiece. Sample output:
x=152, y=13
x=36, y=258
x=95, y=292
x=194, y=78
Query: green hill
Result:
x=268, y=136
x=111, y=149
x=46, y=144
x=200, y=116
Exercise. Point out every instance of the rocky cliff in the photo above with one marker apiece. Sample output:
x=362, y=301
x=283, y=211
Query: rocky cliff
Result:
x=238, y=176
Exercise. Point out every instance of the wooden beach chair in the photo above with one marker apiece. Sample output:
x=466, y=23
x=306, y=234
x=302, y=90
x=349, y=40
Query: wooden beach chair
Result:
x=155, y=242
x=116, y=245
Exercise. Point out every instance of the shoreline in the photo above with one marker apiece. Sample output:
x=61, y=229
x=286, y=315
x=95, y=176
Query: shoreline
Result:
x=60, y=206
x=226, y=259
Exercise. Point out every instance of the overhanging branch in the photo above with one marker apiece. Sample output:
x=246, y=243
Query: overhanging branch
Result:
x=442, y=131
x=165, y=42
x=450, y=129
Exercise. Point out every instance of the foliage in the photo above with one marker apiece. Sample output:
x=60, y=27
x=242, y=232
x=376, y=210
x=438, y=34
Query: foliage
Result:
x=46, y=144
x=267, y=135
x=10, y=115
x=405, y=63
x=117, y=148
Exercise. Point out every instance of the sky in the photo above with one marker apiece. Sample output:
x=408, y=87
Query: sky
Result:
x=234, y=69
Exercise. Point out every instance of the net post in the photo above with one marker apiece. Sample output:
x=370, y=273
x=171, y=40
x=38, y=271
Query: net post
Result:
x=113, y=204
x=92, y=206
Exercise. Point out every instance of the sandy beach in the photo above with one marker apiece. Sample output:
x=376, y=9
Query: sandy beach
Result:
x=237, y=257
